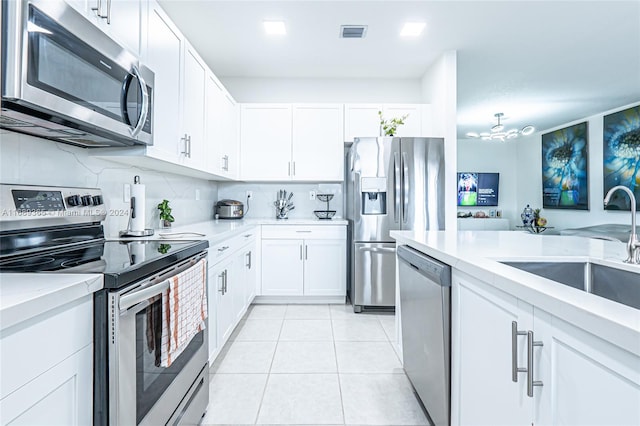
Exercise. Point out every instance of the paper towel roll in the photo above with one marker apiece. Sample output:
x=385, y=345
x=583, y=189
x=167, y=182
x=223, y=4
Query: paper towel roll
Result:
x=137, y=252
x=139, y=211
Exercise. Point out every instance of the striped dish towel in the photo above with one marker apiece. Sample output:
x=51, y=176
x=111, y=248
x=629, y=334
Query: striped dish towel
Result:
x=184, y=310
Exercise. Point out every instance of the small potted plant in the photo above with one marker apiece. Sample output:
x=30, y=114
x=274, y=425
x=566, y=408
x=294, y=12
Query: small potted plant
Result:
x=165, y=214
x=389, y=127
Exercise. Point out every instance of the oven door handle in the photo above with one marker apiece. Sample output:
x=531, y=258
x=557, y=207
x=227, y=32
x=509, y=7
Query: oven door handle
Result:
x=132, y=299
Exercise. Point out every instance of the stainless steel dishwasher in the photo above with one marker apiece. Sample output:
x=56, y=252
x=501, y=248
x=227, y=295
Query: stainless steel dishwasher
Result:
x=425, y=309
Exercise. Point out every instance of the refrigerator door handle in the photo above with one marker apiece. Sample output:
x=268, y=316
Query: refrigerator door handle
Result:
x=405, y=187
x=396, y=187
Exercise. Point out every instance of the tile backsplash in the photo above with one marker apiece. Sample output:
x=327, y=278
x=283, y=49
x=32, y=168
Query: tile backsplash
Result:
x=28, y=160
x=264, y=194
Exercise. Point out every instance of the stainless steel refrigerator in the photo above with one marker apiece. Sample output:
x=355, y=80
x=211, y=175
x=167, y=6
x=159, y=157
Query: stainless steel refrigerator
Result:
x=391, y=184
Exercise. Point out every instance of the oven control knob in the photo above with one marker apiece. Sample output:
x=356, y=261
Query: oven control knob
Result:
x=74, y=200
x=86, y=200
x=97, y=200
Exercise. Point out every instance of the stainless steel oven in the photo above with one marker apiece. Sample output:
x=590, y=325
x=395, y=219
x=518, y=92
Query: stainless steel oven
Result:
x=47, y=230
x=141, y=391
x=64, y=79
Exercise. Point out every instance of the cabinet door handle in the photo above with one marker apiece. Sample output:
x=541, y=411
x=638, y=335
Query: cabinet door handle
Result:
x=289, y=168
x=247, y=235
x=98, y=9
x=306, y=247
x=221, y=281
x=294, y=168
x=185, y=151
x=530, y=382
x=221, y=249
x=248, y=265
x=225, y=277
x=300, y=251
x=108, y=12
x=514, y=351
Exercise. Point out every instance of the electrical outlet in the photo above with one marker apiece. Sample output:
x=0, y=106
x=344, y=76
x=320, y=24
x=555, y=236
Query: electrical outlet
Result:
x=312, y=195
x=197, y=195
x=249, y=194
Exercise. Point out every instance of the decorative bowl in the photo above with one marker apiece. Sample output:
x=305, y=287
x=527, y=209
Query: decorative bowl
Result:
x=324, y=214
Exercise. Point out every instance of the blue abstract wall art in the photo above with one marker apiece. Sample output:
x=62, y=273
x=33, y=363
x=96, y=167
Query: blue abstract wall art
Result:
x=621, y=156
x=564, y=168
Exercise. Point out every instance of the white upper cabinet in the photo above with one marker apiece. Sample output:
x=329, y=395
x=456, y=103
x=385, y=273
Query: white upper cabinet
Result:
x=281, y=142
x=412, y=124
x=318, y=148
x=362, y=120
x=222, y=142
x=120, y=19
x=265, y=142
x=163, y=55
x=193, y=142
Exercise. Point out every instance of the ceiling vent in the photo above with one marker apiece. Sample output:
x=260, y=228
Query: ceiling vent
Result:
x=353, y=31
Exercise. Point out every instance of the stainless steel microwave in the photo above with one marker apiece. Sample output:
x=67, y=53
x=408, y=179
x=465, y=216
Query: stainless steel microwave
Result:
x=66, y=80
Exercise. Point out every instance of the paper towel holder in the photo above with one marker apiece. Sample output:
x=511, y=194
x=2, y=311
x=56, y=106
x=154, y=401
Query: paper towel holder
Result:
x=132, y=213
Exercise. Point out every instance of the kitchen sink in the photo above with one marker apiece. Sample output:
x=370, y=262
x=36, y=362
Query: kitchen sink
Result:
x=615, y=284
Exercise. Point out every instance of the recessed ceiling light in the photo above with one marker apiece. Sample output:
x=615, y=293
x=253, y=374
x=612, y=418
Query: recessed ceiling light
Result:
x=274, y=27
x=412, y=29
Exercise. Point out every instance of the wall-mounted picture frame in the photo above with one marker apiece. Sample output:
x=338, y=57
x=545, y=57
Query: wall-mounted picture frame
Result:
x=565, y=177
x=621, y=156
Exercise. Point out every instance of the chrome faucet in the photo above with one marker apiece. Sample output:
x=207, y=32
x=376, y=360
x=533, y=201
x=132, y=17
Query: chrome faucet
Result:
x=633, y=245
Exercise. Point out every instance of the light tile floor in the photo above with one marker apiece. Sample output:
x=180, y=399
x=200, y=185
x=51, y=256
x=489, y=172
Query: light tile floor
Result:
x=311, y=365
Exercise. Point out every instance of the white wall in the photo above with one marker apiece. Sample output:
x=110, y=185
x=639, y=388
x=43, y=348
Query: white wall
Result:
x=475, y=155
x=529, y=178
x=439, y=88
x=311, y=90
x=29, y=160
x=264, y=194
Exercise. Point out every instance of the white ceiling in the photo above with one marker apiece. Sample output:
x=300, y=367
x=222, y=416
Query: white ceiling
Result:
x=540, y=62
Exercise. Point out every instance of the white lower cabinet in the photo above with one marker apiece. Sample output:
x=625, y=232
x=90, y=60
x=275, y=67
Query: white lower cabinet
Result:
x=304, y=261
x=282, y=267
x=231, y=286
x=577, y=377
x=224, y=314
x=586, y=380
x=46, y=366
x=60, y=396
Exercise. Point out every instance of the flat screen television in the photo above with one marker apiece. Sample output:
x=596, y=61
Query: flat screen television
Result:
x=478, y=189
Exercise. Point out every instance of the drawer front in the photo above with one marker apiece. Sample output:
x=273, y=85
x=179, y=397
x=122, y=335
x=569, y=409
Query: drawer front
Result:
x=304, y=232
x=223, y=249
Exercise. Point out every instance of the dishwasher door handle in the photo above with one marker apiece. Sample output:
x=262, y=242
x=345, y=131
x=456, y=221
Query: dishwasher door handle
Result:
x=434, y=270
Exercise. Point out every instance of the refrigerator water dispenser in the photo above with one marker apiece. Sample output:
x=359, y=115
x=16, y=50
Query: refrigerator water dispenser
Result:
x=374, y=195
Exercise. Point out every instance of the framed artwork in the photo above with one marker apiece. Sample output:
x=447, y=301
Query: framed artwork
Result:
x=565, y=183
x=621, y=156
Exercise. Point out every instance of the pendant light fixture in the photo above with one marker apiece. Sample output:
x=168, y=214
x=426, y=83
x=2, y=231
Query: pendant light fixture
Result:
x=498, y=132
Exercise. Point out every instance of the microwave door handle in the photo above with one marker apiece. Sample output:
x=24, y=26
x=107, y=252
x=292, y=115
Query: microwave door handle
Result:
x=145, y=102
x=126, y=84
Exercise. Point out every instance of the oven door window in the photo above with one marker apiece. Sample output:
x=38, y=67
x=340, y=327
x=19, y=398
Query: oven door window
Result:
x=151, y=379
x=62, y=64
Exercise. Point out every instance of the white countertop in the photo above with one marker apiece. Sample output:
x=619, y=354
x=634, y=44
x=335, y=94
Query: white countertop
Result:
x=477, y=253
x=218, y=230
x=24, y=296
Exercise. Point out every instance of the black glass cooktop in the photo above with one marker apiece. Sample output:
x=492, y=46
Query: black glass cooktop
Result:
x=121, y=262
